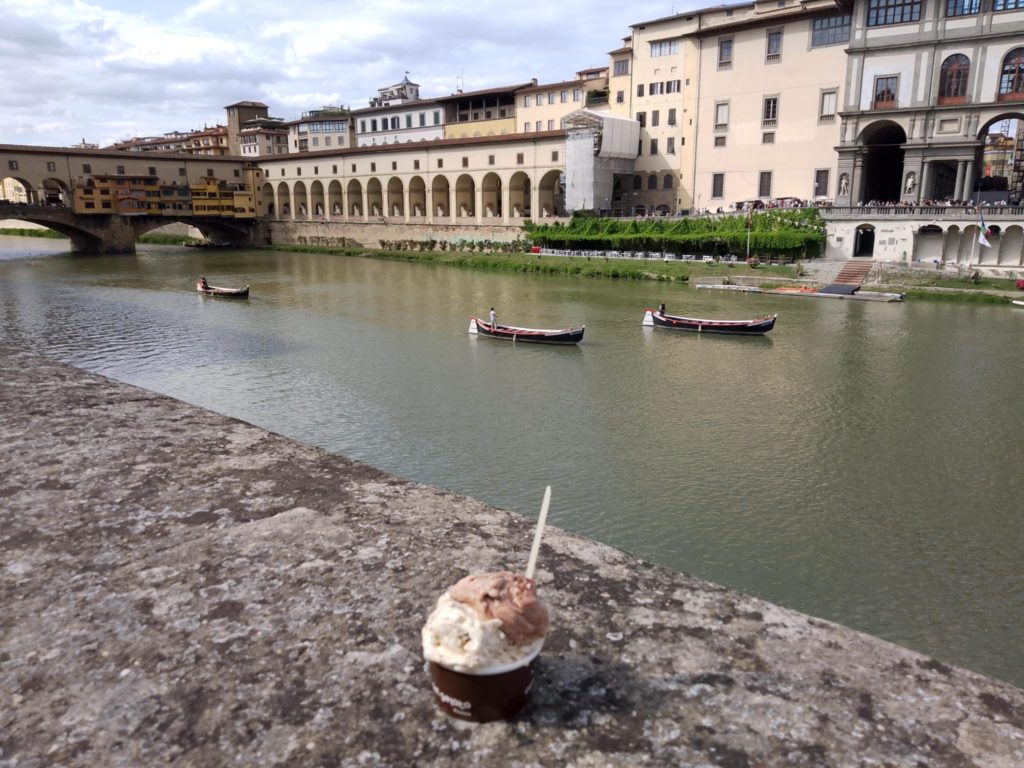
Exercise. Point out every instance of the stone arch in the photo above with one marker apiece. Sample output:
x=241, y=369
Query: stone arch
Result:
x=417, y=197
x=989, y=255
x=490, y=188
x=300, y=199
x=519, y=195
x=355, y=198
x=284, y=201
x=928, y=243
x=1000, y=160
x=268, y=205
x=1011, y=246
x=25, y=193
x=864, y=240
x=440, y=197
x=951, y=248
x=882, y=144
x=56, y=192
x=374, y=197
x=396, y=195
x=317, y=202
x=465, y=196
x=335, y=200
x=652, y=181
x=667, y=182
x=638, y=182
x=968, y=243
x=551, y=194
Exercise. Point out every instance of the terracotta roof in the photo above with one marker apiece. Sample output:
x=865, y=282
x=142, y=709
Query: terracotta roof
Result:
x=510, y=89
x=417, y=146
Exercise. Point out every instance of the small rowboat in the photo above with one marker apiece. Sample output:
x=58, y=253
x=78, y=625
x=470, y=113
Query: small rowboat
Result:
x=534, y=335
x=658, y=319
x=1018, y=302
x=228, y=293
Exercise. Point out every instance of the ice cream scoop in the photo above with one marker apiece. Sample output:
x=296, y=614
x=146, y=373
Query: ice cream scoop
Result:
x=485, y=620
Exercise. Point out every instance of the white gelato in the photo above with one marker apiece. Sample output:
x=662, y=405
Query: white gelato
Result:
x=457, y=638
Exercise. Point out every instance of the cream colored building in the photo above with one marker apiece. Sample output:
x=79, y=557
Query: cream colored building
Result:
x=657, y=86
x=545, y=107
x=319, y=129
x=771, y=82
x=477, y=114
x=486, y=180
x=398, y=115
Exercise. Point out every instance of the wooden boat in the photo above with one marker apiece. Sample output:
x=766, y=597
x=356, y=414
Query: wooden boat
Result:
x=533, y=335
x=229, y=293
x=659, y=319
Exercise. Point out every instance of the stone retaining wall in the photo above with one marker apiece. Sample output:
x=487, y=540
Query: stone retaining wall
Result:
x=370, y=234
x=183, y=588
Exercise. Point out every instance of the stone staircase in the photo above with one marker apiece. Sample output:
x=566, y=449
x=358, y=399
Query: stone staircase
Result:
x=850, y=278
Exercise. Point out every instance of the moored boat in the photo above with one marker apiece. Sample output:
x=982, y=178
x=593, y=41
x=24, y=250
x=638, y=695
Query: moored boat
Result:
x=658, y=318
x=1018, y=302
x=231, y=293
x=534, y=335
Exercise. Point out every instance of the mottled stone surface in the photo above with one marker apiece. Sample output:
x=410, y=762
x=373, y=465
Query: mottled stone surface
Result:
x=181, y=588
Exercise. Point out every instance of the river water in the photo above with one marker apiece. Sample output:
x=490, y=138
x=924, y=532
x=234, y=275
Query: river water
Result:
x=862, y=463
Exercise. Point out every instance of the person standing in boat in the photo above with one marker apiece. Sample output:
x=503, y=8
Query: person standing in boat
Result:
x=493, y=317
x=661, y=308
x=203, y=284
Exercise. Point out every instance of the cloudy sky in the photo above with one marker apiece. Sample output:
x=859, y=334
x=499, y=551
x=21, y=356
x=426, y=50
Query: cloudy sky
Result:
x=110, y=69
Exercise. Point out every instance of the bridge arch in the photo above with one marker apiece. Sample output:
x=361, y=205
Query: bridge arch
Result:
x=20, y=189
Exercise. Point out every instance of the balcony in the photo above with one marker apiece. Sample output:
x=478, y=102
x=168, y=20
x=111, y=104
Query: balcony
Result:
x=884, y=104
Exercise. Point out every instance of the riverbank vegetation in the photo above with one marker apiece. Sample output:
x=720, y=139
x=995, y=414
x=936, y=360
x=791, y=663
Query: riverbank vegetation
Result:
x=48, y=233
x=585, y=266
x=795, y=233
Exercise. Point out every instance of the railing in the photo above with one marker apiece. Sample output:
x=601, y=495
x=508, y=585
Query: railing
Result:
x=968, y=212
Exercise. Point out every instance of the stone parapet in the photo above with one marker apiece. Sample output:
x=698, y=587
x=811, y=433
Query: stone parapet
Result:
x=183, y=588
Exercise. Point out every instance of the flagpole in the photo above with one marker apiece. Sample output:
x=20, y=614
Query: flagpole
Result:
x=974, y=244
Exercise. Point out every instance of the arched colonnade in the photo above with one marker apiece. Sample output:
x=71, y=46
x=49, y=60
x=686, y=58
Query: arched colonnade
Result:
x=954, y=244
x=466, y=198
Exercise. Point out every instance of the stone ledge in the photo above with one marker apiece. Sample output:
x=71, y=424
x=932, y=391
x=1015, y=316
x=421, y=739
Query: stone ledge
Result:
x=183, y=588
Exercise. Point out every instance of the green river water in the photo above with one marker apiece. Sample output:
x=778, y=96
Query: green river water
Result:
x=864, y=462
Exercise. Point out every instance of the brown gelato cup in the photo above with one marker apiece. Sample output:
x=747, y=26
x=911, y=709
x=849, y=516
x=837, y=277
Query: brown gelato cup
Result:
x=497, y=693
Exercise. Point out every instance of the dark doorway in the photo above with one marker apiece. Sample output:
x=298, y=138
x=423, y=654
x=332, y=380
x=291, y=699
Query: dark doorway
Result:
x=864, y=242
x=883, y=162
